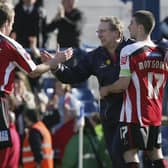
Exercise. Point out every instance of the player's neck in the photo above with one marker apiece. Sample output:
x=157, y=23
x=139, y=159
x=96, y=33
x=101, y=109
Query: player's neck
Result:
x=143, y=38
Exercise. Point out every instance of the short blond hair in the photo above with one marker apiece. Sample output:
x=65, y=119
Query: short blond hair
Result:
x=114, y=22
x=6, y=12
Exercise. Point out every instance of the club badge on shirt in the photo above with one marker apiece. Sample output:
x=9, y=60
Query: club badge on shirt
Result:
x=124, y=59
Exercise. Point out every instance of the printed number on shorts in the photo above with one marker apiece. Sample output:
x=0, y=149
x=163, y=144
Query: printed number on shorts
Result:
x=123, y=132
x=155, y=81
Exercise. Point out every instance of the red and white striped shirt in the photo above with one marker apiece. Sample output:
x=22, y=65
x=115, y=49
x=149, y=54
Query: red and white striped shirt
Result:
x=12, y=55
x=142, y=104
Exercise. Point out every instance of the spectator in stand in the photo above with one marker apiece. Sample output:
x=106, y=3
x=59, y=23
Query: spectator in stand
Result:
x=52, y=118
x=143, y=85
x=62, y=135
x=104, y=155
x=9, y=157
x=5, y=1
x=92, y=156
x=29, y=30
x=164, y=29
x=30, y=21
x=37, y=145
x=23, y=99
x=14, y=56
x=69, y=22
x=40, y=3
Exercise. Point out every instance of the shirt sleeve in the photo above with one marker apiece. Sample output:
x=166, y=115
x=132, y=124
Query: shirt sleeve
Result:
x=18, y=55
x=23, y=59
x=124, y=63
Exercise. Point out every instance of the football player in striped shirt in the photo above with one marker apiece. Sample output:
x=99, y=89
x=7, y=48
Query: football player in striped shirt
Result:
x=13, y=55
x=142, y=78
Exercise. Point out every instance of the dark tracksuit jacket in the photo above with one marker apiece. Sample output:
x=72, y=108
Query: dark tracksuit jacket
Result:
x=98, y=63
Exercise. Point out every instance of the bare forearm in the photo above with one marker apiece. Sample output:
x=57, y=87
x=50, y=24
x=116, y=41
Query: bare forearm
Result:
x=51, y=62
x=45, y=67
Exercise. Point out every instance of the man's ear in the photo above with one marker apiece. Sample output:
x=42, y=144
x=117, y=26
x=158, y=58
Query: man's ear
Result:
x=6, y=24
x=140, y=28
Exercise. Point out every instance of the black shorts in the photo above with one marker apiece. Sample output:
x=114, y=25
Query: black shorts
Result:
x=141, y=137
x=5, y=137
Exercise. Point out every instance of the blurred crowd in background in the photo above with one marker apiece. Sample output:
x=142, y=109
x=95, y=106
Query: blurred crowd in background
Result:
x=51, y=105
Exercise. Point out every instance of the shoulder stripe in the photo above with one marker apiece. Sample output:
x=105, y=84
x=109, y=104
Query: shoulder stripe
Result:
x=140, y=50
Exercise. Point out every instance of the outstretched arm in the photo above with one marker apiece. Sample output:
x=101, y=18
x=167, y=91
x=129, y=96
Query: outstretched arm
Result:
x=51, y=63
